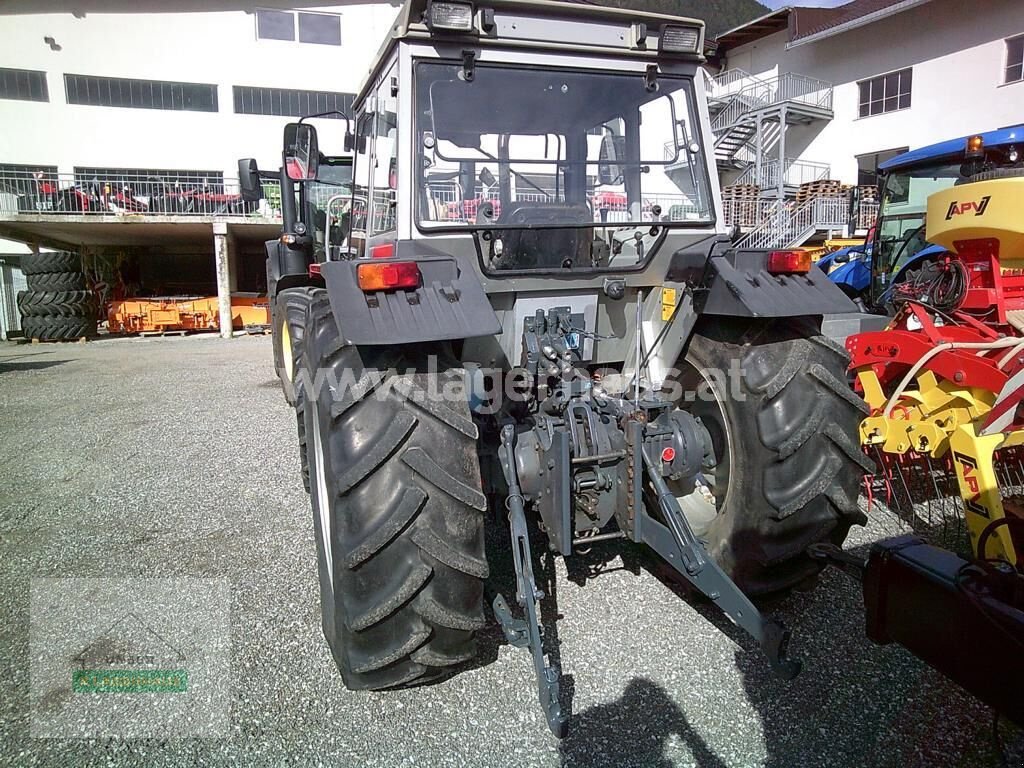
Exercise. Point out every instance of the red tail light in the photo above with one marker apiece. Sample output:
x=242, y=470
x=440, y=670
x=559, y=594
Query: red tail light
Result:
x=390, y=276
x=789, y=262
x=383, y=251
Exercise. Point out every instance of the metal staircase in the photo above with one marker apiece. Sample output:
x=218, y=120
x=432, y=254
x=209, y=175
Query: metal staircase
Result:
x=784, y=224
x=749, y=117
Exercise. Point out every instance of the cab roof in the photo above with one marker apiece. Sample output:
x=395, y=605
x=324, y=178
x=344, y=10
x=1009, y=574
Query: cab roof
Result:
x=410, y=25
x=952, y=148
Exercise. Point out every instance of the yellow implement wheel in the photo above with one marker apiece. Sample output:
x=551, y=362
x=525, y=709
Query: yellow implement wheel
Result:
x=287, y=356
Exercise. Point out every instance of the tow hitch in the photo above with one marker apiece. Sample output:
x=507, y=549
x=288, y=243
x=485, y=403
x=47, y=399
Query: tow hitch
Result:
x=675, y=542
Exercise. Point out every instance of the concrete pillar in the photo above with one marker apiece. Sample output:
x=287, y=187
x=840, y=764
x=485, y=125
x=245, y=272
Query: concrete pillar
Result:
x=222, y=260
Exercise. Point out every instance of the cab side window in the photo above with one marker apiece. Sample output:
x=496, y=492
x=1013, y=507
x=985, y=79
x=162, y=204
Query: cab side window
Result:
x=361, y=181
x=385, y=159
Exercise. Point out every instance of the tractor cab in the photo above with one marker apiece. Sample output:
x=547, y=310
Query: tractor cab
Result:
x=480, y=131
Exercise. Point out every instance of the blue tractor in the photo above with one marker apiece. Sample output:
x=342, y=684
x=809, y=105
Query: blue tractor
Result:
x=896, y=249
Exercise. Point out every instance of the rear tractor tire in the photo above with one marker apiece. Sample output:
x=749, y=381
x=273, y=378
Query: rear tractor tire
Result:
x=56, y=261
x=57, y=328
x=81, y=304
x=784, y=424
x=56, y=281
x=397, y=508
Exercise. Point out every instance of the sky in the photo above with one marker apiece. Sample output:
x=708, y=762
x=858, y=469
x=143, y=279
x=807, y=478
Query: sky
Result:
x=773, y=4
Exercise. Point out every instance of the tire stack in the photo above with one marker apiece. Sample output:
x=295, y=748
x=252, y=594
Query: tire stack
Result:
x=56, y=306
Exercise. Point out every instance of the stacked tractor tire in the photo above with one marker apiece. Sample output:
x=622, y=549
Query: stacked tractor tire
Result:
x=57, y=306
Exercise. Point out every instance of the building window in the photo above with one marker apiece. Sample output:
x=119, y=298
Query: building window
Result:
x=867, y=165
x=320, y=28
x=1014, y=59
x=23, y=84
x=885, y=93
x=275, y=25
x=140, y=94
x=284, y=102
x=316, y=28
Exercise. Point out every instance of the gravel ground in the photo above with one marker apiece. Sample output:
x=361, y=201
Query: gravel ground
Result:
x=175, y=458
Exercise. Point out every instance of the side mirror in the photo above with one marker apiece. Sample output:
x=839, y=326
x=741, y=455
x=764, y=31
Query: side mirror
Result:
x=301, y=152
x=350, y=141
x=612, y=150
x=486, y=177
x=249, y=180
x=842, y=258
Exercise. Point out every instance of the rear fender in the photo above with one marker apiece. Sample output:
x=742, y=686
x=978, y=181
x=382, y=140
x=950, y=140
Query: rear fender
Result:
x=285, y=268
x=736, y=283
x=450, y=304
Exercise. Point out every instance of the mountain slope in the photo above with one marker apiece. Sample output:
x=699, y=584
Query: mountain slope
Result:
x=718, y=15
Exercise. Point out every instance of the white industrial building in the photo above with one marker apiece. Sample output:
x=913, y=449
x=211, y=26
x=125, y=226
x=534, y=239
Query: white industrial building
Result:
x=120, y=92
x=828, y=93
x=139, y=85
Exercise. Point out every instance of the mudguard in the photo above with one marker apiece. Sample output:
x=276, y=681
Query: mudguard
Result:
x=736, y=283
x=285, y=268
x=449, y=304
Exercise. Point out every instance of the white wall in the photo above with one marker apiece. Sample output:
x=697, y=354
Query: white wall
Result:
x=957, y=52
x=217, y=47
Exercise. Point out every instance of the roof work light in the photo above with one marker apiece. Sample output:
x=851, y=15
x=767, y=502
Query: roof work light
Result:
x=449, y=17
x=679, y=39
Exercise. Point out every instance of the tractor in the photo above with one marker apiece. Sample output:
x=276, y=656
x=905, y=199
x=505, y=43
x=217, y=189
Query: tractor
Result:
x=534, y=309
x=897, y=250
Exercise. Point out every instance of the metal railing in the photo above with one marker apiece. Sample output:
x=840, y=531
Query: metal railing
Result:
x=797, y=172
x=867, y=214
x=789, y=224
x=728, y=82
x=27, y=194
x=759, y=94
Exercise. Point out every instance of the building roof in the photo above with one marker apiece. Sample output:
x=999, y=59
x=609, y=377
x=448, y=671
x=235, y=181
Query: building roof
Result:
x=806, y=24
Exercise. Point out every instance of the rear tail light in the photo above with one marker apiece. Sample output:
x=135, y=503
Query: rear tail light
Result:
x=388, y=276
x=789, y=262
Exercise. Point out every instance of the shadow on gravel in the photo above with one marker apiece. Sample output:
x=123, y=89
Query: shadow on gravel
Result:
x=633, y=731
x=41, y=365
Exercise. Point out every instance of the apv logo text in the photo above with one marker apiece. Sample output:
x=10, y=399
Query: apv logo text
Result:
x=956, y=209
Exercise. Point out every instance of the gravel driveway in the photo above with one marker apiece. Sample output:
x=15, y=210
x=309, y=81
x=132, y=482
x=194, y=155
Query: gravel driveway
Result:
x=170, y=459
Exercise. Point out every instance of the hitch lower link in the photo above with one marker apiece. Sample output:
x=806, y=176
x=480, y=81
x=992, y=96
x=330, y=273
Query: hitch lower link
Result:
x=681, y=548
x=526, y=633
x=677, y=544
